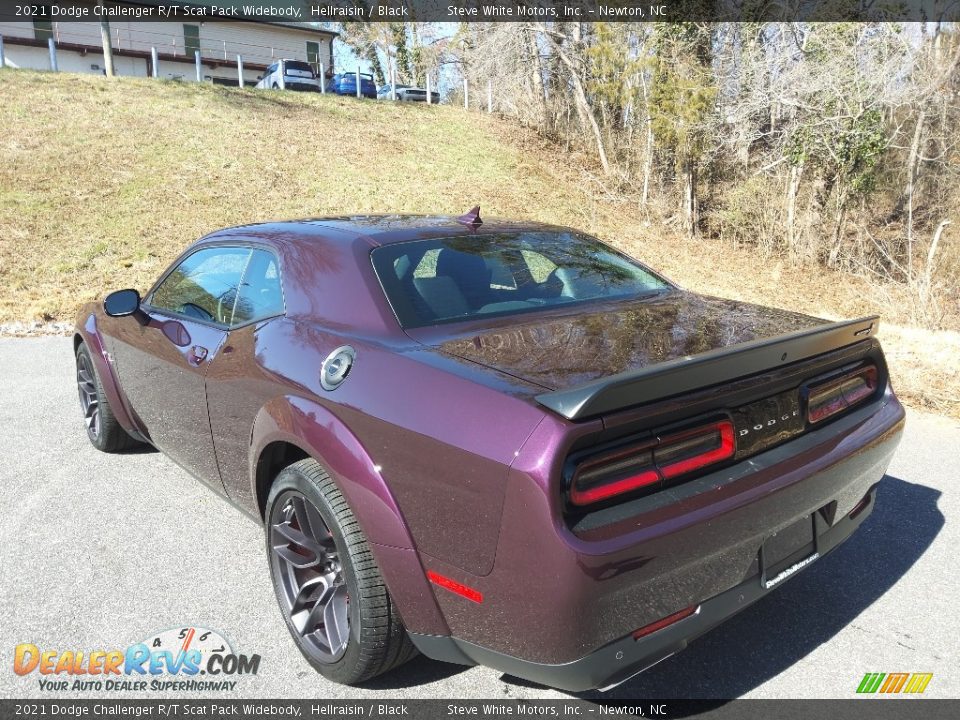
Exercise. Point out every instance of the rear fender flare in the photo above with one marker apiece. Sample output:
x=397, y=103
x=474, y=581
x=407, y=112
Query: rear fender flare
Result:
x=320, y=434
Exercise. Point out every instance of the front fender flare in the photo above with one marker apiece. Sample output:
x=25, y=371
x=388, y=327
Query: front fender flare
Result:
x=89, y=333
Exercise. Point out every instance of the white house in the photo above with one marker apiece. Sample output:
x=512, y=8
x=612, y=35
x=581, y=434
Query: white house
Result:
x=80, y=47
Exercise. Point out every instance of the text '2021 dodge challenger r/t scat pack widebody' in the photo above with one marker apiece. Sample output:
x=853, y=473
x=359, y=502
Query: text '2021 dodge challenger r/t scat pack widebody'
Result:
x=498, y=443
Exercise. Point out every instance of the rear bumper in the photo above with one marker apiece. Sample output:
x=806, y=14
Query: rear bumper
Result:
x=561, y=604
x=302, y=86
x=622, y=659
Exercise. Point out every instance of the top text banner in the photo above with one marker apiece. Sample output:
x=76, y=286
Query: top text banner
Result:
x=485, y=10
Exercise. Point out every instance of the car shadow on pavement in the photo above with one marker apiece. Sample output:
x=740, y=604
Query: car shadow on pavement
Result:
x=141, y=449
x=419, y=671
x=806, y=612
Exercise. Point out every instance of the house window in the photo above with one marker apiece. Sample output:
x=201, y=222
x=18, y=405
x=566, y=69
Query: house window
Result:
x=313, y=56
x=42, y=29
x=191, y=39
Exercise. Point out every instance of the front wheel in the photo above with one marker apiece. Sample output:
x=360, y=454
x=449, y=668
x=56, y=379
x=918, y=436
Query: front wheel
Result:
x=331, y=594
x=103, y=428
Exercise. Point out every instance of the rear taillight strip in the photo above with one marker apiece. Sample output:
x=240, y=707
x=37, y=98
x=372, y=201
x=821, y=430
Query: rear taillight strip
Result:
x=839, y=394
x=603, y=491
x=725, y=449
x=649, y=464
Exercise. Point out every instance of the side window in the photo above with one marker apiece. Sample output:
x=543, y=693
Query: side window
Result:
x=271, y=70
x=260, y=294
x=427, y=267
x=539, y=266
x=204, y=286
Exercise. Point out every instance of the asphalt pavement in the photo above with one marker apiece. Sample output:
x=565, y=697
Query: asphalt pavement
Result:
x=101, y=551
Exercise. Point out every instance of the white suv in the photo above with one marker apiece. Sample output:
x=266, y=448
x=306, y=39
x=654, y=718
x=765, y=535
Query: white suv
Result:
x=290, y=74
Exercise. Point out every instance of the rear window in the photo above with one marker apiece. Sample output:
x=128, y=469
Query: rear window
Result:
x=430, y=282
x=297, y=65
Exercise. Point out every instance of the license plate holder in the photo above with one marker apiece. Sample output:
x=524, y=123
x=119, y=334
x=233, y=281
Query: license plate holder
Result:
x=788, y=550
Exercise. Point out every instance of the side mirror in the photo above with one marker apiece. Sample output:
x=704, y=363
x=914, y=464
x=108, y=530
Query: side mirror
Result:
x=121, y=303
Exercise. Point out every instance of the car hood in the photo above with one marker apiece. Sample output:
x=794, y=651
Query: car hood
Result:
x=560, y=350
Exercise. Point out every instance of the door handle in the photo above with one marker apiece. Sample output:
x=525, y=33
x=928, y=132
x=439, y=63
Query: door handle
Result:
x=197, y=354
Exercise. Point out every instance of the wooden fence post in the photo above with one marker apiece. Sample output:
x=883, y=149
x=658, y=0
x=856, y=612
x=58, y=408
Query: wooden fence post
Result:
x=53, y=54
x=196, y=60
x=240, y=70
x=154, y=62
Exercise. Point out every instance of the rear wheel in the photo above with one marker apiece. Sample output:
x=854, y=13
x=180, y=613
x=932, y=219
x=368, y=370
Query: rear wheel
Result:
x=331, y=594
x=103, y=429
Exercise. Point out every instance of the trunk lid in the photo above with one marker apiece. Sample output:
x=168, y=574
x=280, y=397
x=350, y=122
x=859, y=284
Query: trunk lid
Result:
x=559, y=350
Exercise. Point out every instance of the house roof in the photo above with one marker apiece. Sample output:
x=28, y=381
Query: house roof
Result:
x=307, y=27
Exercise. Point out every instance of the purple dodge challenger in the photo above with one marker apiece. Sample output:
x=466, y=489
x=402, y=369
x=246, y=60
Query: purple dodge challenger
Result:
x=498, y=443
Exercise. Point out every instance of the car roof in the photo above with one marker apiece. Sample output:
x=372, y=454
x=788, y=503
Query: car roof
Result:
x=327, y=271
x=376, y=229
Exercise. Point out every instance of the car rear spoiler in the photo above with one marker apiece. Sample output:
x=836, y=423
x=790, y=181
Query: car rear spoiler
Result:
x=693, y=372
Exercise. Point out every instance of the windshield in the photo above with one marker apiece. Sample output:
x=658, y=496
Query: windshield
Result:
x=430, y=282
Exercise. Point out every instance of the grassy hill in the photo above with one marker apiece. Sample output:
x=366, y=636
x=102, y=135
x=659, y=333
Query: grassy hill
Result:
x=103, y=181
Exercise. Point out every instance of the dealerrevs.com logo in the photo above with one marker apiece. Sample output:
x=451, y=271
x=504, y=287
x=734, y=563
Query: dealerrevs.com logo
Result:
x=187, y=659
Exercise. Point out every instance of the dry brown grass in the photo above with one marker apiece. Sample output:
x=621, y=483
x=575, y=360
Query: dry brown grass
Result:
x=103, y=181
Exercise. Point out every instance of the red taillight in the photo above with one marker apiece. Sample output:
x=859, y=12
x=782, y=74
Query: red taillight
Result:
x=664, y=622
x=689, y=451
x=614, y=474
x=837, y=395
x=453, y=586
x=646, y=465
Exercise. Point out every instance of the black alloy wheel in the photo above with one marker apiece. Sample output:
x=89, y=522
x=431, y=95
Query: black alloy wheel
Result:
x=103, y=429
x=333, y=598
x=309, y=576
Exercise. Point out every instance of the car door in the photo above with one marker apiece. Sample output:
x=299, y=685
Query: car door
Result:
x=162, y=363
x=238, y=384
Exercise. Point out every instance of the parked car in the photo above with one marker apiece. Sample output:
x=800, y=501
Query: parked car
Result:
x=502, y=443
x=290, y=75
x=407, y=93
x=346, y=84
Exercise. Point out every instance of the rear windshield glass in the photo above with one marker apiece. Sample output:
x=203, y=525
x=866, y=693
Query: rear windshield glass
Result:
x=430, y=282
x=297, y=65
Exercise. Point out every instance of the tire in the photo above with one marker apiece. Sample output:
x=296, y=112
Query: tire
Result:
x=357, y=633
x=103, y=430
